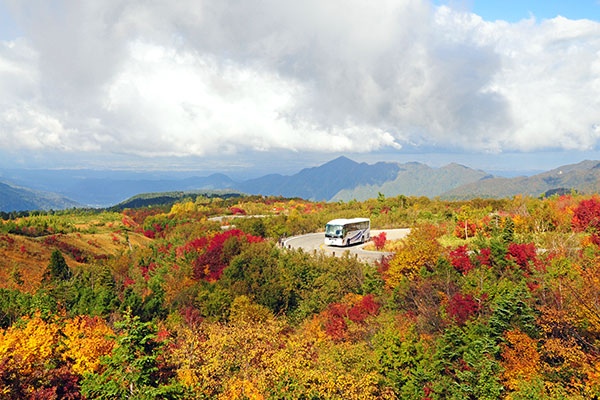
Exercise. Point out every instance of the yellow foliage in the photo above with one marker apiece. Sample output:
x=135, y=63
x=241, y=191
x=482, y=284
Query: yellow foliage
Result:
x=86, y=340
x=521, y=223
x=183, y=208
x=248, y=359
x=29, y=348
x=244, y=310
x=585, y=294
x=419, y=249
x=241, y=390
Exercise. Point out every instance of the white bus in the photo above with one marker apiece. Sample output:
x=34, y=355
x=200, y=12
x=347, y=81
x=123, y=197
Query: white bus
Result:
x=344, y=232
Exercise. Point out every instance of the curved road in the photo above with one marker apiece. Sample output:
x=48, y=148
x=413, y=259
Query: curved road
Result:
x=315, y=242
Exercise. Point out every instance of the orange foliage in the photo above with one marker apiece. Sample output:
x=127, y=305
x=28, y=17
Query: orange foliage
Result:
x=521, y=358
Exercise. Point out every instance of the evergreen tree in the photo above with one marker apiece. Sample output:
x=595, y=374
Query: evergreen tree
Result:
x=508, y=233
x=57, y=270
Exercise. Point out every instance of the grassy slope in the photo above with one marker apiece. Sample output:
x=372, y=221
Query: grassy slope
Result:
x=30, y=256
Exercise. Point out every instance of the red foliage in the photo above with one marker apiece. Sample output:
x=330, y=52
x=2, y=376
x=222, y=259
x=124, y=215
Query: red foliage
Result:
x=364, y=308
x=586, y=216
x=462, y=307
x=162, y=335
x=428, y=391
x=335, y=325
x=459, y=231
x=523, y=254
x=191, y=316
x=380, y=240
x=338, y=313
x=533, y=286
x=146, y=269
x=165, y=249
x=237, y=211
x=8, y=239
x=459, y=258
x=210, y=263
x=484, y=257
x=192, y=246
x=23, y=249
x=65, y=247
x=383, y=265
x=59, y=383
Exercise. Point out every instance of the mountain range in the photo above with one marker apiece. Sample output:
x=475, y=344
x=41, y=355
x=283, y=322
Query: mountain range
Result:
x=338, y=179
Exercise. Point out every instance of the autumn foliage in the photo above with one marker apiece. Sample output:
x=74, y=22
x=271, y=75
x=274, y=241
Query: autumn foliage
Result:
x=459, y=258
x=484, y=299
x=379, y=241
x=420, y=249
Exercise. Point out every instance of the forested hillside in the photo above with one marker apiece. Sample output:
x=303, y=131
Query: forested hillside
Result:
x=583, y=177
x=485, y=299
x=14, y=198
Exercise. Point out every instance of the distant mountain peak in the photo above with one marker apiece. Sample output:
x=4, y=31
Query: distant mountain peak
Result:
x=340, y=161
x=454, y=165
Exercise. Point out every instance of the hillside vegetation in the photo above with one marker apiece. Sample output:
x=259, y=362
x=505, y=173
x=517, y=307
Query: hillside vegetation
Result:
x=484, y=299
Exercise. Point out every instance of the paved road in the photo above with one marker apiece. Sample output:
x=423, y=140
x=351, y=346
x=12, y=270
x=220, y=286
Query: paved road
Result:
x=315, y=242
x=230, y=218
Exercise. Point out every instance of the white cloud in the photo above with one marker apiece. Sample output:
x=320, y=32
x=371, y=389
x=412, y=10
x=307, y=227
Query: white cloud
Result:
x=208, y=78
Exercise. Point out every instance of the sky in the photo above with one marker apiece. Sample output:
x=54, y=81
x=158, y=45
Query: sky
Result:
x=275, y=85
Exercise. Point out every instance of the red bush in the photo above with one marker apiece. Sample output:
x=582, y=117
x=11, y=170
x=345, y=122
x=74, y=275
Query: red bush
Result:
x=364, y=308
x=459, y=258
x=146, y=269
x=380, y=240
x=335, y=325
x=462, y=307
x=586, y=216
x=383, y=265
x=237, y=211
x=523, y=255
x=52, y=241
x=337, y=314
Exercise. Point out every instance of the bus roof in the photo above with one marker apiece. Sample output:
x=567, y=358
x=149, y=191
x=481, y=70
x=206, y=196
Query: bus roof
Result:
x=343, y=221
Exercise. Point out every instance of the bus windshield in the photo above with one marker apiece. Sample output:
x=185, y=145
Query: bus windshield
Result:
x=334, y=231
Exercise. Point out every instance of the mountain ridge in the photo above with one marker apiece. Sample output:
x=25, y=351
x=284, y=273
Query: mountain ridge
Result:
x=583, y=177
x=339, y=179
